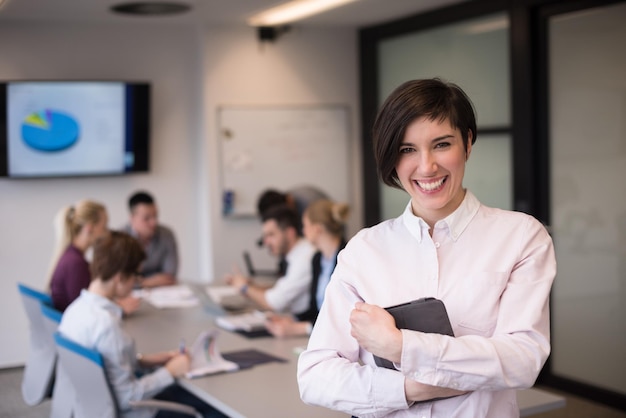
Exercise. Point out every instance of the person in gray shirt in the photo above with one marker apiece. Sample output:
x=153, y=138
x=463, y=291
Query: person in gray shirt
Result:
x=158, y=241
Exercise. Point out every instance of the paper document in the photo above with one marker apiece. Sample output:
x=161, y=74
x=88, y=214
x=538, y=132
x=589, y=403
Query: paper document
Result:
x=218, y=293
x=206, y=357
x=227, y=297
x=177, y=296
x=248, y=321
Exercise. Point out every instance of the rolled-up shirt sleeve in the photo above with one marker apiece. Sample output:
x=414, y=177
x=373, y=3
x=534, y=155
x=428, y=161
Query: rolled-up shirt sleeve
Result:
x=512, y=354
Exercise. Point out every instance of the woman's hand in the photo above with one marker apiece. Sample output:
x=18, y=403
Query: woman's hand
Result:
x=375, y=330
x=416, y=391
x=178, y=365
x=237, y=280
x=285, y=326
x=157, y=359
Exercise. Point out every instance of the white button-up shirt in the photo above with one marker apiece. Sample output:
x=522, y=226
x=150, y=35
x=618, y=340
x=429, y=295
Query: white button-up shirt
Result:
x=93, y=321
x=291, y=293
x=493, y=269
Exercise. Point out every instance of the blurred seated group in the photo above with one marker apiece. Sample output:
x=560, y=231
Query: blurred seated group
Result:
x=94, y=271
x=305, y=231
x=79, y=226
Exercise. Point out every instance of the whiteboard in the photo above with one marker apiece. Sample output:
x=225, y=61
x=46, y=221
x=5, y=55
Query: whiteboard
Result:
x=281, y=147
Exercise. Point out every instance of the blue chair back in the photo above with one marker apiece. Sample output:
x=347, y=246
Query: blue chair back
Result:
x=85, y=370
x=52, y=316
x=40, y=363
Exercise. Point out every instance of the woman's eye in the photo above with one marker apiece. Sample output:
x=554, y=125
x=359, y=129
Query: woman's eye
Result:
x=406, y=150
x=442, y=145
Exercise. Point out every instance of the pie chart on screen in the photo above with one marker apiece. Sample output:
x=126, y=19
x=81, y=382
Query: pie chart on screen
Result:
x=50, y=130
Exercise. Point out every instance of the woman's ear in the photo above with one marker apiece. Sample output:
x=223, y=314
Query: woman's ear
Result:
x=468, y=147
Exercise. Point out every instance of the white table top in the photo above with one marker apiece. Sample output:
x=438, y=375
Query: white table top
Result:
x=262, y=390
x=256, y=392
x=535, y=401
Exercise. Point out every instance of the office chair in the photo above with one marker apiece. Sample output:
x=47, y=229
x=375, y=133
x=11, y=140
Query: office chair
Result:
x=62, y=391
x=94, y=395
x=40, y=363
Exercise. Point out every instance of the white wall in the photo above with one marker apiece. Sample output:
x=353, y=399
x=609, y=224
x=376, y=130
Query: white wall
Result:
x=168, y=57
x=192, y=70
x=304, y=66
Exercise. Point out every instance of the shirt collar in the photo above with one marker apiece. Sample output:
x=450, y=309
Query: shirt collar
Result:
x=456, y=222
x=416, y=225
x=134, y=234
x=102, y=302
x=297, y=249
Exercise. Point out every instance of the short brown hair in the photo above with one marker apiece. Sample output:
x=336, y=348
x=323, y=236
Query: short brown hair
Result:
x=430, y=98
x=118, y=252
x=284, y=216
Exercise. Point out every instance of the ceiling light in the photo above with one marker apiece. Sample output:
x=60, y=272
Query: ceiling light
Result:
x=150, y=8
x=489, y=26
x=294, y=10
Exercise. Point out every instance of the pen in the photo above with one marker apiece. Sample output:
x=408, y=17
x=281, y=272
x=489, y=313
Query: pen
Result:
x=181, y=346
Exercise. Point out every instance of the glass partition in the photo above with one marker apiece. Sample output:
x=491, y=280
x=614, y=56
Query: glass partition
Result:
x=587, y=109
x=475, y=55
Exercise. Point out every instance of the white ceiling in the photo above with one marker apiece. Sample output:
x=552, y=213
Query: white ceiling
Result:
x=213, y=12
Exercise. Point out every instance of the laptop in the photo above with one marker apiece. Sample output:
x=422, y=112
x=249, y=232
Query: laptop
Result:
x=253, y=272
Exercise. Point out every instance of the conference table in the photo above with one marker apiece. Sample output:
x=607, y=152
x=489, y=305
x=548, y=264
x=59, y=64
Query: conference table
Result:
x=267, y=390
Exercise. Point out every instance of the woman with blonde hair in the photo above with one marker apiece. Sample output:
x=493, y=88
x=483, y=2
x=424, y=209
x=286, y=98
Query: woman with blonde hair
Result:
x=323, y=224
x=77, y=228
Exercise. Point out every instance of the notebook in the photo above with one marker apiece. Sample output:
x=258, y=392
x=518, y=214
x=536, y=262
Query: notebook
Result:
x=425, y=315
x=206, y=357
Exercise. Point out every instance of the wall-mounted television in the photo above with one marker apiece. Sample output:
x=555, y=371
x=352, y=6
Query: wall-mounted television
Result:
x=73, y=128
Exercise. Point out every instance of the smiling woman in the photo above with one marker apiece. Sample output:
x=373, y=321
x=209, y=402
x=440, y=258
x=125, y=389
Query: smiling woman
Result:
x=493, y=270
x=431, y=167
x=430, y=140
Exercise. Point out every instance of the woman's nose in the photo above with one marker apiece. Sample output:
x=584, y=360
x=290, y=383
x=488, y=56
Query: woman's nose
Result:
x=427, y=163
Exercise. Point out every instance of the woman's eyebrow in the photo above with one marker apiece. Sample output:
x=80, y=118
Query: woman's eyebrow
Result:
x=439, y=138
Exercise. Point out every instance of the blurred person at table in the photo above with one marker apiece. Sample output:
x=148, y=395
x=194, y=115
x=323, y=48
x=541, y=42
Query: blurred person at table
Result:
x=297, y=198
x=290, y=292
x=158, y=241
x=77, y=227
x=323, y=224
x=93, y=320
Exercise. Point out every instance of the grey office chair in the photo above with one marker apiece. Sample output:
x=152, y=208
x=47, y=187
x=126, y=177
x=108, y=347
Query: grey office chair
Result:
x=62, y=391
x=40, y=363
x=94, y=395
